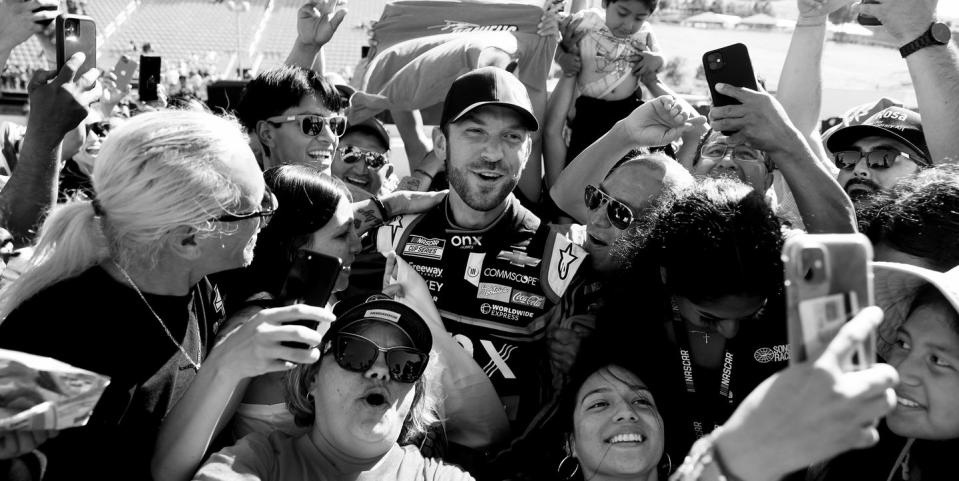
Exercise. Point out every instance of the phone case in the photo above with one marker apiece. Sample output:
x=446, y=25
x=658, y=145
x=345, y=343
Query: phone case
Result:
x=828, y=281
x=149, y=77
x=76, y=33
x=735, y=68
x=311, y=278
x=124, y=71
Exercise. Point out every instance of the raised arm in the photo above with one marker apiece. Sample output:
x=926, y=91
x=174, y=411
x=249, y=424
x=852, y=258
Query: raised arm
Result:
x=18, y=21
x=657, y=122
x=934, y=71
x=316, y=22
x=800, y=84
x=762, y=123
x=251, y=349
x=57, y=107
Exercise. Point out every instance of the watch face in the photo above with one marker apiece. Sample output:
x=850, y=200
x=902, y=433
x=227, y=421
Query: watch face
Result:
x=940, y=33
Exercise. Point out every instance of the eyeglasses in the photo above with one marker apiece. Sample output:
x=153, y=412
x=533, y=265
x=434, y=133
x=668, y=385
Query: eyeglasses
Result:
x=101, y=128
x=618, y=213
x=745, y=153
x=875, y=159
x=265, y=213
x=352, y=154
x=312, y=124
x=356, y=353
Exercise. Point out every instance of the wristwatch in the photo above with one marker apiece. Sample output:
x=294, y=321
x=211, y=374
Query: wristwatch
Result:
x=938, y=34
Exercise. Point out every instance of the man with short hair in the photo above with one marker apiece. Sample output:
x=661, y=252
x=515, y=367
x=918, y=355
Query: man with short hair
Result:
x=362, y=160
x=873, y=156
x=494, y=270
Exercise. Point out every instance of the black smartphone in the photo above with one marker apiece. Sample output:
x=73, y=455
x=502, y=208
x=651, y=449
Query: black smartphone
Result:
x=868, y=20
x=729, y=65
x=310, y=281
x=76, y=33
x=149, y=77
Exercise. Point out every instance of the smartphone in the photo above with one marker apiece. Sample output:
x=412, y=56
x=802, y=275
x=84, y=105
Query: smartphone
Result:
x=76, y=33
x=310, y=281
x=868, y=20
x=828, y=281
x=729, y=65
x=124, y=70
x=149, y=77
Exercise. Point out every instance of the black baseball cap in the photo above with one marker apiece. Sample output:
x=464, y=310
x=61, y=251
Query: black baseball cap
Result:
x=383, y=309
x=488, y=86
x=372, y=127
x=896, y=123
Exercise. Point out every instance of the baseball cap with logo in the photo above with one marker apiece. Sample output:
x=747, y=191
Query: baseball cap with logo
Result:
x=488, y=86
x=896, y=286
x=896, y=123
x=380, y=308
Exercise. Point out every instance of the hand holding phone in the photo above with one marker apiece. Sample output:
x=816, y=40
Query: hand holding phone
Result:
x=310, y=281
x=828, y=281
x=729, y=65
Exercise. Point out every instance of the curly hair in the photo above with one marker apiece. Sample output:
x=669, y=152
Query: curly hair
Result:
x=919, y=215
x=719, y=238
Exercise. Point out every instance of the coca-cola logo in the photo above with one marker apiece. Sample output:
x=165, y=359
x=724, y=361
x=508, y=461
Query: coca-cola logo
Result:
x=528, y=299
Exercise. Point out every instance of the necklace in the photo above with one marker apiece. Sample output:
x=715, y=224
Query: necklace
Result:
x=196, y=365
x=704, y=333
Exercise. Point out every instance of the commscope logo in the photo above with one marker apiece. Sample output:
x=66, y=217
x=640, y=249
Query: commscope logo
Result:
x=511, y=276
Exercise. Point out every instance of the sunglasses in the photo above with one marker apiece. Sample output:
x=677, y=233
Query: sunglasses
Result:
x=265, y=213
x=618, y=213
x=101, y=128
x=875, y=159
x=352, y=154
x=356, y=353
x=312, y=125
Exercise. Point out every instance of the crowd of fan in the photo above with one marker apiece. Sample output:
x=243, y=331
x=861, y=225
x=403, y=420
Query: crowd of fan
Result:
x=619, y=313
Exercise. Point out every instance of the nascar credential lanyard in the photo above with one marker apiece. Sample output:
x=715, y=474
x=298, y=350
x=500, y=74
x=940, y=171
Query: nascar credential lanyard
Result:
x=689, y=378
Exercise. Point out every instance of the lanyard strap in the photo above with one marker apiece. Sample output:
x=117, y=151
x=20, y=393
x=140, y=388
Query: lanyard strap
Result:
x=689, y=378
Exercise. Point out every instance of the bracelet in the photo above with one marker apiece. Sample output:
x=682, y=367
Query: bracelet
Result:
x=424, y=173
x=382, y=208
x=703, y=463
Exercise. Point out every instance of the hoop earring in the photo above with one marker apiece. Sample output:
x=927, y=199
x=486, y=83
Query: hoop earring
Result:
x=563, y=466
x=668, y=465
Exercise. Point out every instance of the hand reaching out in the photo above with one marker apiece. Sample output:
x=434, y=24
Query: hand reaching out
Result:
x=59, y=99
x=18, y=20
x=317, y=21
x=661, y=121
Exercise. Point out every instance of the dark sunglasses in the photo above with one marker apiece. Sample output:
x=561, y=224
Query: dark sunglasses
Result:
x=618, y=213
x=267, y=208
x=312, y=125
x=875, y=159
x=352, y=154
x=356, y=353
x=101, y=128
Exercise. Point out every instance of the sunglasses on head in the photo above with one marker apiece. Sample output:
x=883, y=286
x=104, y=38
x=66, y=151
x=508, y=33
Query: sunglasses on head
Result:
x=264, y=213
x=101, y=128
x=875, y=159
x=312, y=124
x=618, y=213
x=352, y=154
x=356, y=353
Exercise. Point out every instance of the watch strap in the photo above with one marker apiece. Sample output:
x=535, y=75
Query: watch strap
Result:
x=923, y=41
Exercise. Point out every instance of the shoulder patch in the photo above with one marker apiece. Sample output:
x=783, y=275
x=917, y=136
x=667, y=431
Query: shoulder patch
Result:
x=562, y=260
x=388, y=235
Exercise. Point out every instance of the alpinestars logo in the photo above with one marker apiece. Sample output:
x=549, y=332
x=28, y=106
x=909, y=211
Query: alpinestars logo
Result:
x=566, y=258
x=454, y=26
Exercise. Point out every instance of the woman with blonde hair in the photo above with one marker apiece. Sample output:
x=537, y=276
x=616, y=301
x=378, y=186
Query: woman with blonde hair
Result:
x=117, y=285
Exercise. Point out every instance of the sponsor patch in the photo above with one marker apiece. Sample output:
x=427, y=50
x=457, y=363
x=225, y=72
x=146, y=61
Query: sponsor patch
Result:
x=511, y=276
x=518, y=258
x=474, y=265
x=529, y=299
x=465, y=241
x=494, y=292
x=460, y=27
x=778, y=353
x=427, y=271
x=504, y=312
x=425, y=247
